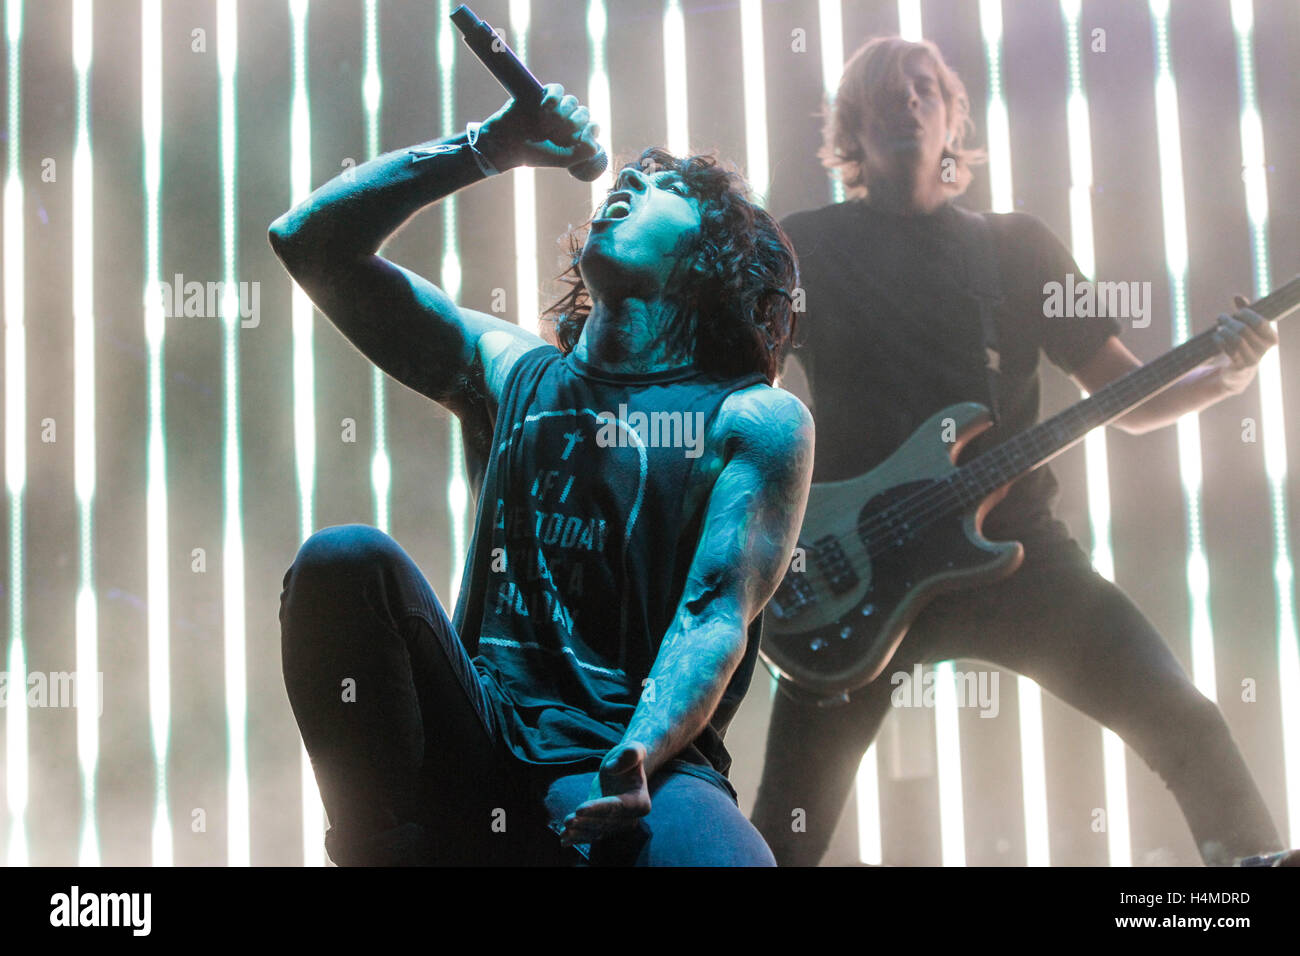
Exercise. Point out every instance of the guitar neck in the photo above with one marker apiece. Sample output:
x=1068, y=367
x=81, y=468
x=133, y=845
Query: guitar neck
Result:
x=1025, y=452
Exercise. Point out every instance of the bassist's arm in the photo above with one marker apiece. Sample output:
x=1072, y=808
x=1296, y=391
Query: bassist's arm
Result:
x=1245, y=337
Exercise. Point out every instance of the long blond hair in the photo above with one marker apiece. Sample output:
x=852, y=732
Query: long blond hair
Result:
x=874, y=68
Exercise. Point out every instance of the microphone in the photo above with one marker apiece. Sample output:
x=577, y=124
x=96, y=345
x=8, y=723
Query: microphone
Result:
x=502, y=63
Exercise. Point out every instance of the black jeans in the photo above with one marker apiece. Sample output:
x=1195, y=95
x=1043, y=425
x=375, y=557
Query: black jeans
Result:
x=411, y=766
x=1058, y=621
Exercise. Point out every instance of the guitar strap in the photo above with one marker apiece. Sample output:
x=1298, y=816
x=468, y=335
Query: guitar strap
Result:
x=984, y=285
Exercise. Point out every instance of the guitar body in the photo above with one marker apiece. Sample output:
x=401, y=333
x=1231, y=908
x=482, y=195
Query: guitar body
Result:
x=835, y=622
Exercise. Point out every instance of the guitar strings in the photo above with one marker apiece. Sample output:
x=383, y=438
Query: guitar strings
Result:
x=936, y=500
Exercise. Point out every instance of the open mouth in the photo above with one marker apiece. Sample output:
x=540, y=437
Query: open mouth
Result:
x=617, y=206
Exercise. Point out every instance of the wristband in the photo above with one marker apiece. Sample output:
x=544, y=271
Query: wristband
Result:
x=471, y=131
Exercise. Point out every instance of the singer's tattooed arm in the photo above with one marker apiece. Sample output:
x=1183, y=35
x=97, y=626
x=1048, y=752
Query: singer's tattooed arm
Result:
x=761, y=450
x=399, y=320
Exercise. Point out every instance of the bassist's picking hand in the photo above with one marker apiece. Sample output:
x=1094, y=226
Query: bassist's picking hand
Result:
x=1244, y=337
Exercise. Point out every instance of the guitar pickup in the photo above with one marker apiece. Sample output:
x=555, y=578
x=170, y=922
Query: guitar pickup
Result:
x=793, y=595
x=834, y=564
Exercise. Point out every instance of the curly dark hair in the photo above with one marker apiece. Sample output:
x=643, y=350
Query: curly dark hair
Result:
x=738, y=315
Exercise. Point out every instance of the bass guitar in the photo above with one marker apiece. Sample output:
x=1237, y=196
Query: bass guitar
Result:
x=877, y=548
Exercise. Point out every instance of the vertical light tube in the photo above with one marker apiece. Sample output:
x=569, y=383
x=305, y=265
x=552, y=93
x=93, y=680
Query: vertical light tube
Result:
x=675, y=98
x=947, y=727
x=304, y=390
x=1273, y=424
x=870, y=843
x=1172, y=202
x=380, y=464
x=952, y=813
x=999, y=133
x=159, y=607
x=15, y=441
x=831, y=22
x=909, y=19
x=754, y=70
x=1114, y=770
x=83, y=314
x=525, y=183
x=1033, y=772
x=598, y=97
x=238, y=837
x=457, y=486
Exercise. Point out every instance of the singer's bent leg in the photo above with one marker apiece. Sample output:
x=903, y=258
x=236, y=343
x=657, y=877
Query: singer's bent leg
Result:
x=392, y=711
x=692, y=822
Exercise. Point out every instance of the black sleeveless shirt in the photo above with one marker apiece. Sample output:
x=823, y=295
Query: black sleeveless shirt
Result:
x=581, y=549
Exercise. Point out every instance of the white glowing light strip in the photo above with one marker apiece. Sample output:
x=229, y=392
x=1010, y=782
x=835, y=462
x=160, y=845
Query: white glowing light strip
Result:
x=83, y=316
x=238, y=838
x=159, y=611
x=1033, y=765
x=1097, y=470
x=381, y=467
x=303, y=365
x=1114, y=755
x=304, y=392
x=15, y=443
x=525, y=200
x=830, y=19
x=678, y=112
x=1119, y=844
x=1169, y=143
x=457, y=486
x=1096, y=460
x=1033, y=772
x=952, y=824
x=753, y=69
x=909, y=19
x=999, y=133
x=1080, y=147
x=598, y=98
x=870, y=849
x=1273, y=425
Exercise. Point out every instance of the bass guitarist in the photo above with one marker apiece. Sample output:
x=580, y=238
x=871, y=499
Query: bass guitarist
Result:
x=892, y=337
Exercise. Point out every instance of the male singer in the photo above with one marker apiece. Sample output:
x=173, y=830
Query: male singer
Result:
x=641, y=491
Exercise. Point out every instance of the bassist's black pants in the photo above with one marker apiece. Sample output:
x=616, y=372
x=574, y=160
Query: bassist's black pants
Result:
x=1081, y=638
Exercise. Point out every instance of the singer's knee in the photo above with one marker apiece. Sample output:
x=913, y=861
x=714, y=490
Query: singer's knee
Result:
x=340, y=556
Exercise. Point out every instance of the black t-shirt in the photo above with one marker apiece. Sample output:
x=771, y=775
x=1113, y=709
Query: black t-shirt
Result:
x=583, y=541
x=890, y=336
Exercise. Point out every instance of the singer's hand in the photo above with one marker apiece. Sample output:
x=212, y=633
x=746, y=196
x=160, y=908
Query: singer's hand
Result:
x=558, y=133
x=619, y=797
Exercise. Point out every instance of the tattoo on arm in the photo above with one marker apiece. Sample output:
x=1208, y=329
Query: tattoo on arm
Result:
x=399, y=320
x=749, y=531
